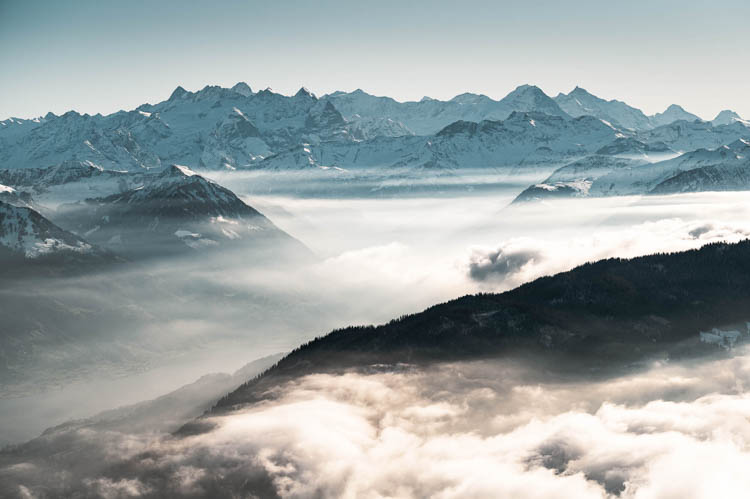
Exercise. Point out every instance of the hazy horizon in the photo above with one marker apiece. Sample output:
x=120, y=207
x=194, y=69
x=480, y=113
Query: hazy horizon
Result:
x=321, y=94
x=143, y=51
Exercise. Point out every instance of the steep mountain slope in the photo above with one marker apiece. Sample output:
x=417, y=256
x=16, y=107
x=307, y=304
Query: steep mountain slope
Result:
x=174, y=211
x=579, y=102
x=604, y=315
x=13, y=197
x=212, y=128
x=723, y=168
x=529, y=98
x=671, y=114
x=576, y=179
x=727, y=117
x=24, y=233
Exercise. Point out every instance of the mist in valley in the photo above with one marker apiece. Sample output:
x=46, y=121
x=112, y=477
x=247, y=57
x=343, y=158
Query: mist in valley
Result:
x=479, y=428
x=387, y=250
x=135, y=331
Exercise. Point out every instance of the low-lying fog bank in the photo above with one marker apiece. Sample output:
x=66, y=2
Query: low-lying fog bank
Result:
x=490, y=429
x=377, y=259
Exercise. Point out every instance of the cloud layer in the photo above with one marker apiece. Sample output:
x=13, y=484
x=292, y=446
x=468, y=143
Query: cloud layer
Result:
x=520, y=260
x=483, y=429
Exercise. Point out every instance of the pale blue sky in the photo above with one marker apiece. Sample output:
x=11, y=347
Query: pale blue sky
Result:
x=101, y=56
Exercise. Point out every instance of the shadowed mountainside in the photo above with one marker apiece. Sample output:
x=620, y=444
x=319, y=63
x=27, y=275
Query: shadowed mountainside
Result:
x=600, y=316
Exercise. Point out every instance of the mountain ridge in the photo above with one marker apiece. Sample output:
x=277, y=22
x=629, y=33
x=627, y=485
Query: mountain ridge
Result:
x=176, y=210
x=604, y=315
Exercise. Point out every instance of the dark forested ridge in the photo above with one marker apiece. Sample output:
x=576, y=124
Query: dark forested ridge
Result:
x=607, y=314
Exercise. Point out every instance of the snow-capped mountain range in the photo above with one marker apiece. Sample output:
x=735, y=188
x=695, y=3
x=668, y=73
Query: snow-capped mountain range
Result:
x=66, y=159
x=579, y=102
x=135, y=215
x=720, y=169
x=522, y=138
x=428, y=116
x=229, y=128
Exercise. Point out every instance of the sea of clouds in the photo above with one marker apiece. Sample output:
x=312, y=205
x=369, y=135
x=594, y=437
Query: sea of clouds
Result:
x=450, y=431
x=480, y=429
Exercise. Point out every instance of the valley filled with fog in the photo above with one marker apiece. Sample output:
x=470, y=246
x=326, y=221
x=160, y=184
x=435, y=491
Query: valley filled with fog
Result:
x=450, y=430
x=241, y=293
x=162, y=325
x=374, y=250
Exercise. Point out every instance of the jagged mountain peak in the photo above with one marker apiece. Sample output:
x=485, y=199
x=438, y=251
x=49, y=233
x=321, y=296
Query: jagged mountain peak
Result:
x=242, y=88
x=73, y=115
x=531, y=98
x=527, y=91
x=581, y=93
x=727, y=117
x=304, y=92
x=323, y=114
x=578, y=92
x=178, y=93
x=675, y=108
x=673, y=113
x=580, y=102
